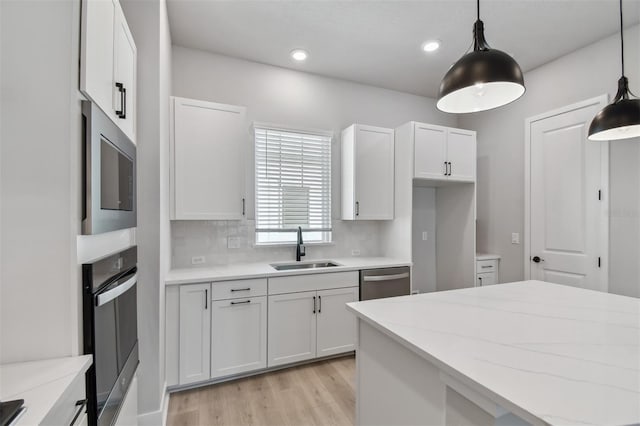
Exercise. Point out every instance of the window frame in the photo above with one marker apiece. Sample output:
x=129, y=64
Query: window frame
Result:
x=327, y=233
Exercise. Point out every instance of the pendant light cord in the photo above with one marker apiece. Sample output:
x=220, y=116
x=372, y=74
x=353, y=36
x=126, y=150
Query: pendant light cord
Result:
x=621, y=38
x=478, y=8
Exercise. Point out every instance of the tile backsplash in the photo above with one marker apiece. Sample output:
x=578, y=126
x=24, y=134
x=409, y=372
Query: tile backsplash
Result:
x=213, y=239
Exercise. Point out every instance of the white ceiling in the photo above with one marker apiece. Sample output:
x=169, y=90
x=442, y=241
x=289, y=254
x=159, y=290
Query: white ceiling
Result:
x=379, y=42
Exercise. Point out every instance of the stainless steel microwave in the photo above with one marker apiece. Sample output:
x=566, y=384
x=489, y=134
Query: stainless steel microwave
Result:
x=109, y=183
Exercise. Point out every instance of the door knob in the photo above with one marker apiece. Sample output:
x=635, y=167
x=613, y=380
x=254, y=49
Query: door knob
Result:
x=537, y=259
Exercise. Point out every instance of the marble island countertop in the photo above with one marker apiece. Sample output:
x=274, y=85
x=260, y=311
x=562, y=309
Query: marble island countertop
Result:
x=239, y=271
x=559, y=354
x=40, y=383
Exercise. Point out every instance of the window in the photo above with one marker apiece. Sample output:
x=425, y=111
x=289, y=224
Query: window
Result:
x=293, y=185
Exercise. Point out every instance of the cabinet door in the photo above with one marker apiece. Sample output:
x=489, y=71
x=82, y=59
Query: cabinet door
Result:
x=336, y=325
x=207, y=176
x=461, y=153
x=96, y=57
x=430, y=151
x=488, y=278
x=195, y=333
x=124, y=74
x=374, y=173
x=292, y=328
x=238, y=336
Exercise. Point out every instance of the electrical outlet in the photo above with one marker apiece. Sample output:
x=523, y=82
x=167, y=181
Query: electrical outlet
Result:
x=425, y=236
x=233, y=242
x=196, y=260
x=515, y=238
x=355, y=252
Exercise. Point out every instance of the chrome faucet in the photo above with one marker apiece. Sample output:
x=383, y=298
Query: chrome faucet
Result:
x=300, y=249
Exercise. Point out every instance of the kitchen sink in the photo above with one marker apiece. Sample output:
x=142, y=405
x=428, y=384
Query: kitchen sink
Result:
x=303, y=265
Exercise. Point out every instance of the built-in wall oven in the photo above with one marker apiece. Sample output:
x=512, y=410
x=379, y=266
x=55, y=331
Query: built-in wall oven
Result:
x=109, y=174
x=110, y=332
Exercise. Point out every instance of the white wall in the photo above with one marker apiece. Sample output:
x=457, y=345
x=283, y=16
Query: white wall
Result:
x=293, y=98
x=583, y=74
x=149, y=26
x=40, y=174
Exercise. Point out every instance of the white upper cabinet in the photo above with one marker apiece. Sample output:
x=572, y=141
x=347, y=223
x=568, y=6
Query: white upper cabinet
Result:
x=367, y=173
x=125, y=54
x=208, y=146
x=442, y=153
x=461, y=155
x=430, y=145
x=108, y=62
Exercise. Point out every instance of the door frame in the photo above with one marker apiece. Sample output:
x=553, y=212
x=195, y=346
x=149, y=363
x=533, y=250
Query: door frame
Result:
x=601, y=101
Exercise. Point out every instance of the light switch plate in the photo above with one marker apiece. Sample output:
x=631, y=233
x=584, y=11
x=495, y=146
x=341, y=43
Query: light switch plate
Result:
x=355, y=252
x=425, y=236
x=515, y=238
x=197, y=260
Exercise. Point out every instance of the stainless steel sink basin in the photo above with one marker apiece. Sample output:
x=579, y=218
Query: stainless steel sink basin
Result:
x=302, y=265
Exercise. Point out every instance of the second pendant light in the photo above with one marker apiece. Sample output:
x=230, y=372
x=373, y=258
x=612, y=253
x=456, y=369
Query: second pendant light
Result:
x=482, y=79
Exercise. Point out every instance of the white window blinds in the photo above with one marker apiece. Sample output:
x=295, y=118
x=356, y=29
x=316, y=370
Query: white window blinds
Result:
x=293, y=185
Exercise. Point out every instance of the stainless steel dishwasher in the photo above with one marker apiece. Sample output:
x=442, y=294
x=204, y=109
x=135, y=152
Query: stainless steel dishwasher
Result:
x=385, y=282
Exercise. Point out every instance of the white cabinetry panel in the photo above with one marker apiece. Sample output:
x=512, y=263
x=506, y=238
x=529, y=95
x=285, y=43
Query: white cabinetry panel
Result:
x=238, y=336
x=195, y=333
x=292, y=328
x=430, y=146
x=336, y=326
x=208, y=148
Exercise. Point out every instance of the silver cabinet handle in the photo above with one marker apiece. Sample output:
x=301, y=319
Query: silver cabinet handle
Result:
x=108, y=296
x=386, y=277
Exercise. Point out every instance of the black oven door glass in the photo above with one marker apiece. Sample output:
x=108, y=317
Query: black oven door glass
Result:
x=116, y=178
x=115, y=337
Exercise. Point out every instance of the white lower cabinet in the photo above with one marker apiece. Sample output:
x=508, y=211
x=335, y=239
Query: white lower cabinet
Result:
x=336, y=327
x=311, y=324
x=195, y=333
x=292, y=328
x=238, y=336
x=488, y=278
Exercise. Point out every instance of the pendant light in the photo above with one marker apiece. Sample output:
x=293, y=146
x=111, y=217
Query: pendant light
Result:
x=621, y=118
x=483, y=79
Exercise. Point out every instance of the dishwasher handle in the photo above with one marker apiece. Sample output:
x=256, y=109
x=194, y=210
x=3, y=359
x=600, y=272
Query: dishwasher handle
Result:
x=373, y=278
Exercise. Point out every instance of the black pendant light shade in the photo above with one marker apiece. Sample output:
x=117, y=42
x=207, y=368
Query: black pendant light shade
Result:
x=618, y=120
x=481, y=80
x=621, y=118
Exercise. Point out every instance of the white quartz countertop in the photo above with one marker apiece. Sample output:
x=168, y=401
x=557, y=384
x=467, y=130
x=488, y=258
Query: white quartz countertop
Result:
x=487, y=256
x=564, y=355
x=239, y=271
x=40, y=383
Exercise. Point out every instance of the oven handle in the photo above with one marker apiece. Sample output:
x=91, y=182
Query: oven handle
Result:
x=108, y=296
x=386, y=277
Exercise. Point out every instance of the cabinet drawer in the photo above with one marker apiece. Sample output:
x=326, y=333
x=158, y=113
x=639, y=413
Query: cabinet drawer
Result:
x=240, y=288
x=311, y=282
x=71, y=402
x=486, y=266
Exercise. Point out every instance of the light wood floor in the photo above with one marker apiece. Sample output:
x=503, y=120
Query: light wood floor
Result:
x=322, y=393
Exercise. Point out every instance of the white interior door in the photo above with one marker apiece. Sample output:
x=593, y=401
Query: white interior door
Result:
x=568, y=232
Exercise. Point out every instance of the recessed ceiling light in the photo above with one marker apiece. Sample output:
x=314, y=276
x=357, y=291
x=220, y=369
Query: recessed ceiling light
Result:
x=299, y=55
x=431, y=45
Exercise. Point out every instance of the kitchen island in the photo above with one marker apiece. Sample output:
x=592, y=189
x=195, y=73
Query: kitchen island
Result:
x=521, y=353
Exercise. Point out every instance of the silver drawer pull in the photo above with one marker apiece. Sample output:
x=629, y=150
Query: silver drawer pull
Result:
x=241, y=289
x=386, y=277
x=486, y=266
x=240, y=303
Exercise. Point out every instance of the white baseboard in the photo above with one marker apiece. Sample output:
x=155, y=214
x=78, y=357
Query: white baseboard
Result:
x=159, y=417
